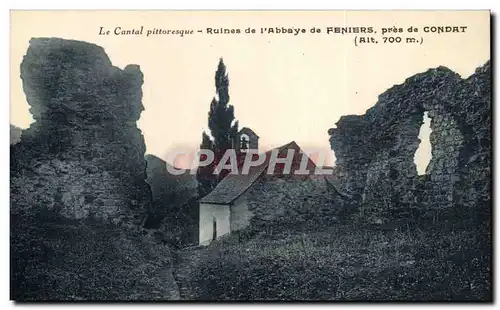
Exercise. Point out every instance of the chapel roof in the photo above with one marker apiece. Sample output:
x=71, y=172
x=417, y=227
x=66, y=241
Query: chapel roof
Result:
x=234, y=185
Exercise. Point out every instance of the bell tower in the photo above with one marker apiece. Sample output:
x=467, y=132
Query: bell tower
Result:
x=247, y=140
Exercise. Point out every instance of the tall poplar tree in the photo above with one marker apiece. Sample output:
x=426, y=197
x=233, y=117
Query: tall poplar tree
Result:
x=223, y=128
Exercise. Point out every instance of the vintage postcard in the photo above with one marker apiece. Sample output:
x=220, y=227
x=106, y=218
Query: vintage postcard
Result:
x=250, y=156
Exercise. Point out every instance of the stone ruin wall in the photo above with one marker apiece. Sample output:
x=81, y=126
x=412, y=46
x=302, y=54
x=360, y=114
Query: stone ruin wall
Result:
x=375, y=151
x=84, y=155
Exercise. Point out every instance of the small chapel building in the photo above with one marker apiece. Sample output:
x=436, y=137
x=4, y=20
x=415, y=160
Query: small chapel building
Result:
x=225, y=209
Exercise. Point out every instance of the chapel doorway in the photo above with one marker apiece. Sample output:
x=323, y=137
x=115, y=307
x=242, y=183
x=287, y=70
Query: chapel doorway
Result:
x=214, y=229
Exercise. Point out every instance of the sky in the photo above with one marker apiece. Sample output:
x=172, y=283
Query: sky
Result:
x=285, y=87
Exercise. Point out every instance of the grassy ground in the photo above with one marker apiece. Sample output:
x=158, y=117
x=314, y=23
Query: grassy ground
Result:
x=343, y=262
x=56, y=259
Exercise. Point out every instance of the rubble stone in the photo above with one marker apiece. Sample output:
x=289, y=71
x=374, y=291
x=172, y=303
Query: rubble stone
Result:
x=84, y=152
x=375, y=151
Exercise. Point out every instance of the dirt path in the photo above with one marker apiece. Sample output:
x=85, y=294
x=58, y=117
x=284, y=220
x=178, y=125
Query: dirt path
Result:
x=186, y=262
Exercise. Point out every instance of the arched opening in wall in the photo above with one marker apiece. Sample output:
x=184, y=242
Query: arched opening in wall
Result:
x=244, y=142
x=423, y=154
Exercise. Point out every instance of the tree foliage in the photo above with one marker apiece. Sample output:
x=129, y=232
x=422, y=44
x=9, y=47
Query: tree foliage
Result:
x=223, y=129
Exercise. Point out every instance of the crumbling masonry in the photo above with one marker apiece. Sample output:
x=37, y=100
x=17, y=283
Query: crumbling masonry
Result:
x=84, y=155
x=375, y=151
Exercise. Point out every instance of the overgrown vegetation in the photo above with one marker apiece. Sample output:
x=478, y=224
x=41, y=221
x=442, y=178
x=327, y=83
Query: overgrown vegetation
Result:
x=174, y=210
x=440, y=261
x=180, y=227
x=53, y=258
